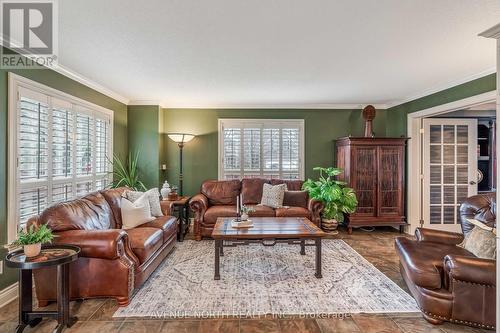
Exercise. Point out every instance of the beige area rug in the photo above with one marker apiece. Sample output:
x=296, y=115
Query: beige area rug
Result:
x=258, y=280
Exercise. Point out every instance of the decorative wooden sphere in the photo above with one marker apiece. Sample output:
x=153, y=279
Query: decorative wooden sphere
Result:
x=369, y=112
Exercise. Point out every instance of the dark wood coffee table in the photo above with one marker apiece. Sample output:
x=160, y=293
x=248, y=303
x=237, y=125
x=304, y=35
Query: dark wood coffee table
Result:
x=267, y=231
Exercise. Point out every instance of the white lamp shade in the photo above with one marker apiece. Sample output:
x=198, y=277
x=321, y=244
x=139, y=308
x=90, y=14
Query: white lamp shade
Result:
x=181, y=137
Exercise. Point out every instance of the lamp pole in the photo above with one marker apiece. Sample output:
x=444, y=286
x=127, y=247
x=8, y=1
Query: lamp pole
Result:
x=181, y=176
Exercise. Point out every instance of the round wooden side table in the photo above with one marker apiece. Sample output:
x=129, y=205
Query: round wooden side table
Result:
x=59, y=256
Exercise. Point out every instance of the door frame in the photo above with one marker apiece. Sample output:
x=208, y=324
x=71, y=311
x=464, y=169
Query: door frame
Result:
x=415, y=161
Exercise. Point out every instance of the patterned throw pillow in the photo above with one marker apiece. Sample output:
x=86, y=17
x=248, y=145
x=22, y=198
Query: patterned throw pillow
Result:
x=153, y=197
x=481, y=241
x=272, y=196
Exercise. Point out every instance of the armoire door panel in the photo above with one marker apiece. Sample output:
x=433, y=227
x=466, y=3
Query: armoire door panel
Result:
x=390, y=180
x=364, y=179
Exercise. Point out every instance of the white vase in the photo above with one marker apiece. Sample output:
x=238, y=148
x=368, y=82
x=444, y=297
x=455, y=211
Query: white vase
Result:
x=244, y=216
x=165, y=190
x=32, y=250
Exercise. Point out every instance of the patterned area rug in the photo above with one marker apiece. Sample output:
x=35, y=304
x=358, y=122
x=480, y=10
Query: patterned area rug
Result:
x=258, y=280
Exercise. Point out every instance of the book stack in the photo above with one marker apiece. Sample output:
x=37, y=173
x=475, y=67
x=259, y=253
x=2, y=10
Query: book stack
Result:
x=241, y=224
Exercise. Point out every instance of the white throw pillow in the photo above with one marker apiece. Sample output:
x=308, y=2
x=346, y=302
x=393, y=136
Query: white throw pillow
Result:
x=135, y=213
x=272, y=196
x=153, y=197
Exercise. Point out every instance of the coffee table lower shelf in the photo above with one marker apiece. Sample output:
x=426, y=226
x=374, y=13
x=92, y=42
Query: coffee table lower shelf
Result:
x=219, y=250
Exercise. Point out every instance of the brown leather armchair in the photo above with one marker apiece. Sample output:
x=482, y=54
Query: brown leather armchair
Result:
x=113, y=261
x=448, y=282
x=218, y=199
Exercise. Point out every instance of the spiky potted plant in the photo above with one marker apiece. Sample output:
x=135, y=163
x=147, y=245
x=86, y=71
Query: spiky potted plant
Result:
x=32, y=239
x=126, y=173
x=337, y=198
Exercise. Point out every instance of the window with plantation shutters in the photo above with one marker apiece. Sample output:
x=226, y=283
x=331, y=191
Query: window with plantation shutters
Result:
x=58, y=149
x=261, y=148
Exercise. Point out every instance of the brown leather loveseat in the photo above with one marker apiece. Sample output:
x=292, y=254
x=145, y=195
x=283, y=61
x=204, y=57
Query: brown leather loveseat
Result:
x=448, y=282
x=218, y=199
x=113, y=261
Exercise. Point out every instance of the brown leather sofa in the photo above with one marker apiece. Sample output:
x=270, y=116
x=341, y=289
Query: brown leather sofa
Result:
x=113, y=261
x=448, y=282
x=218, y=199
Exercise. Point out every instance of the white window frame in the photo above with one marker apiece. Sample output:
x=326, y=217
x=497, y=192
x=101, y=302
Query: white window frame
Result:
x=16, y=83
x=229, y=122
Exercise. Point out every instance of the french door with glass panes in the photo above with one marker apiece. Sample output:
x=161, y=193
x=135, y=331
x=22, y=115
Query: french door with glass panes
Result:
x=449, y=170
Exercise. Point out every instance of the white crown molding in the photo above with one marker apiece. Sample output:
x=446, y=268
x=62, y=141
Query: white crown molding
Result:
x=8, y=294
x=274, y=106
x=89, y=83
x=493, y=32
x=78, y=77
x=441, y=88
x=144, y=102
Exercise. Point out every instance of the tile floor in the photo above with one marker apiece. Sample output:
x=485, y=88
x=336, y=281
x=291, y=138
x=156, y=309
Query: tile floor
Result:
x=377, y=247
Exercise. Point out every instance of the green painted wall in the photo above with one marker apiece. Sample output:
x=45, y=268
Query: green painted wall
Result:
x=200, y=155
x=144, y=137
x=62, y=83
x=397, y=116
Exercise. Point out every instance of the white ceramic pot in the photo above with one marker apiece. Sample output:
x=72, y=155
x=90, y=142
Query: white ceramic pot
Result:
x=32, y=250
x=244, y=217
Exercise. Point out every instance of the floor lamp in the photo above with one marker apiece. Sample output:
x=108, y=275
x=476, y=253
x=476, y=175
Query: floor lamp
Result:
x=180, y=139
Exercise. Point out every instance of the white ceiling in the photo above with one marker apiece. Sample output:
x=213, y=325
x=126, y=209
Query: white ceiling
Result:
x=276, y=53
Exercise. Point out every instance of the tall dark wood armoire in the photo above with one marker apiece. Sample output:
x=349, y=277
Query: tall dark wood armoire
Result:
x=374, y=168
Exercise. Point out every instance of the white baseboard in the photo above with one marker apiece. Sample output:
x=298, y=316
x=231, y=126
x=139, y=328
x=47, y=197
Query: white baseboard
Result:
x=8, y=294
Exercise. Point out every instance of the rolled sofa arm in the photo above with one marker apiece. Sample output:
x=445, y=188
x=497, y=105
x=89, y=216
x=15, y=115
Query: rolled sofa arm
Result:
x=199, y=205
x=167, y=207
x=438, y=236
x=470, y=269
x=104, y=244
x=316, y=208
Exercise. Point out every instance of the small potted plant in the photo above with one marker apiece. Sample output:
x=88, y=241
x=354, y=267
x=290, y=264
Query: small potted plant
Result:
x=335, y=195
x=245, y=211
x=32, y=239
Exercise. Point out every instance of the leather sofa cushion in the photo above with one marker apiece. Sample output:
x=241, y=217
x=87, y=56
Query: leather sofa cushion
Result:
x=291, y=185
x=262, y=211
x=214, y=212
x=90, y=212
x=293, y=212
x=114, y=198
x=423, y=261
x=296, y=199
x=251, y=190
x=221, y=192
x=168, y=224
x=145, y=242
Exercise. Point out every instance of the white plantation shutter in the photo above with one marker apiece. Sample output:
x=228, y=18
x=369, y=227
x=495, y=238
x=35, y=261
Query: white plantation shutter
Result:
x=290, y=153
x=84, y=140
x=32, y=137
x=261, y=148
x=32, y=201
x=62, y=140
x=60, y=149
x=232, y=152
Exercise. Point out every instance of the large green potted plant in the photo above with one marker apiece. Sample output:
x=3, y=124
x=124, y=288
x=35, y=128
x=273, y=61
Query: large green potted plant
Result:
x=126, y=173
x=32, y=239
x=335, y=195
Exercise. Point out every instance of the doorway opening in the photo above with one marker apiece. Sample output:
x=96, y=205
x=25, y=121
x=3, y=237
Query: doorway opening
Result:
x=451, y=156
